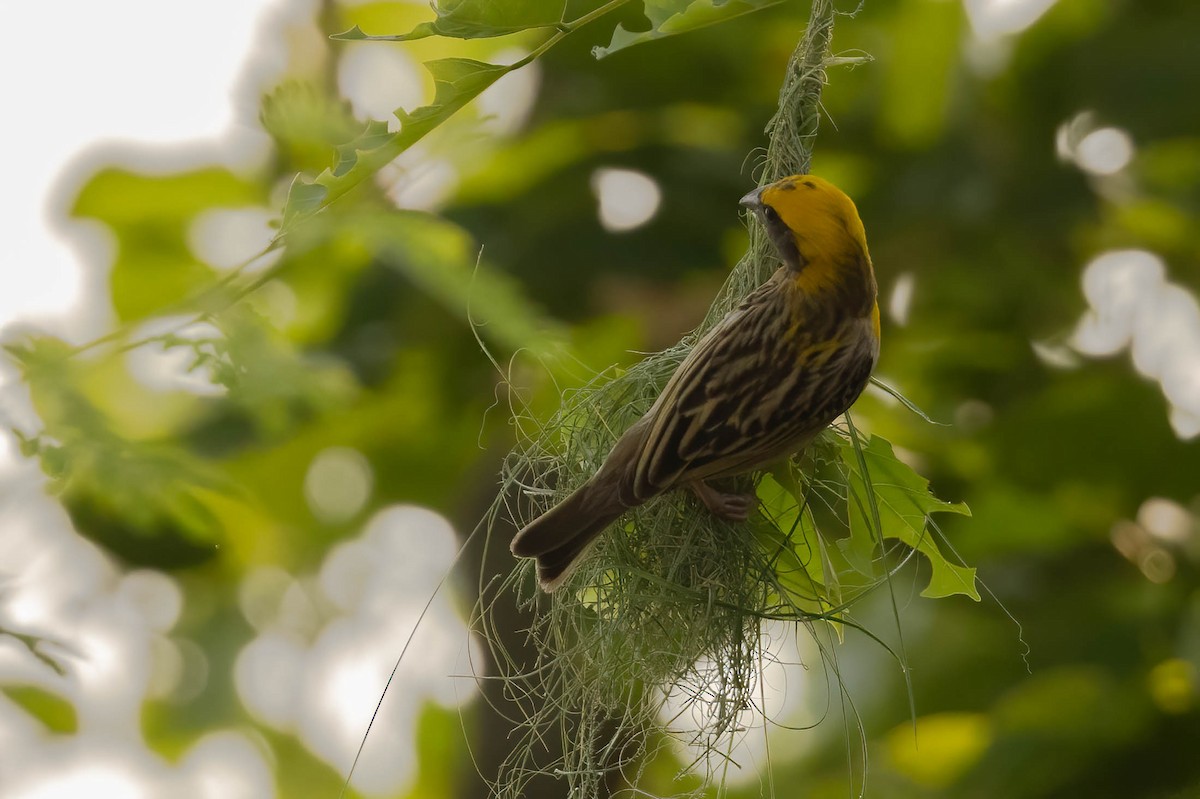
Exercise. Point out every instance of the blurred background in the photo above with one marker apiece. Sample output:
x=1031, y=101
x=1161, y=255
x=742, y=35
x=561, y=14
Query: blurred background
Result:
x=213, y=545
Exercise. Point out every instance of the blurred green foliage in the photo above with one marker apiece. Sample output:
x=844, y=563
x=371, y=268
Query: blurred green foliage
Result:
x=948, y=146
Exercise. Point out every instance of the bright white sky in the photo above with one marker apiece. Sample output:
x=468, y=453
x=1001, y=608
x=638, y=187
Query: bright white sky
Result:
x=77, y=73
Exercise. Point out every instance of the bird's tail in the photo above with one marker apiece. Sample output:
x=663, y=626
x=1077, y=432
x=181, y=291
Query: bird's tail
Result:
x=560, y=535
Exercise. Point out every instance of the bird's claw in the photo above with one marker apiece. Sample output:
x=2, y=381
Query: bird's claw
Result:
x=730, y=507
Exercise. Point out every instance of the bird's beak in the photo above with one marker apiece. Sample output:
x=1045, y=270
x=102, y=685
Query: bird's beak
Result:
x=753, y=200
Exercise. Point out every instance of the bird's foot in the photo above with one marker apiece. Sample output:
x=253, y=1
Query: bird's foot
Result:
x=730, y=507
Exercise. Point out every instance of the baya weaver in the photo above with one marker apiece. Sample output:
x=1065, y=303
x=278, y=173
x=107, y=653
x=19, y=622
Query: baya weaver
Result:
x=758, y=387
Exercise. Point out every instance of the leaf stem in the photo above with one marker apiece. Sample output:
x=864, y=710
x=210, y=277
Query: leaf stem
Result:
x=567, y=28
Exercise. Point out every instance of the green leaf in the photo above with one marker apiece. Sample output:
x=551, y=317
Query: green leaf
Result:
x=271, y=381
x=35, y=352
x=901, y=501
x=442, y=259
x=304, y=199
x=800, y=560
x=456, y=82
x=120, y=491
x=306, y=122
x=478, y=19
x=357, y=34
x=150, y=216
x=671, y=17
x=441, y=760
x=122, y=198
x=56, y=713
x=375, y=135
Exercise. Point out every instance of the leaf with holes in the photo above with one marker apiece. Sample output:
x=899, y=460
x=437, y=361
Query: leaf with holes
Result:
x=479, y=19
x=899, y=500
x=671, y=17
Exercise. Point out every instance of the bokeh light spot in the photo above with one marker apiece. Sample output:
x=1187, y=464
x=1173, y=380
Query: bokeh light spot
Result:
x=1128, y=538
x=507, y=103
x=277, y=300
x=1104, y=151
x=1132, y=304
x=901, y=299
x=783, y=691
x=946, y=745
x=992, y=18
x=379, y=80
x=973, y=415
x=226, y=238
x=193, y=678
x=1185, y=423
x=627, y=199
x=1173, y=685
x=106, y=779
x=323, y=685
x=166, y=668
x=267, y=676
x=261, y=593
x=1166, y=520
x=338, y=484
x=155, y=596
x=344, y=573
x=1097, y=150
x=228, y=765
x=1055, y=355
x=419, y=181
x=1157, y=564
x=299, y=613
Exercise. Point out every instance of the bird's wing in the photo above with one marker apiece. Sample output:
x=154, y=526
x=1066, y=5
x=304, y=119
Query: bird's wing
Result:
x=734, y=397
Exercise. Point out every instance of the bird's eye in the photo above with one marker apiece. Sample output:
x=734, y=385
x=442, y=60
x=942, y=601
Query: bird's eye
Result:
x=770, y=214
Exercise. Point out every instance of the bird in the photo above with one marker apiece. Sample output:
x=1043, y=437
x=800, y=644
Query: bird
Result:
x=758, y=387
